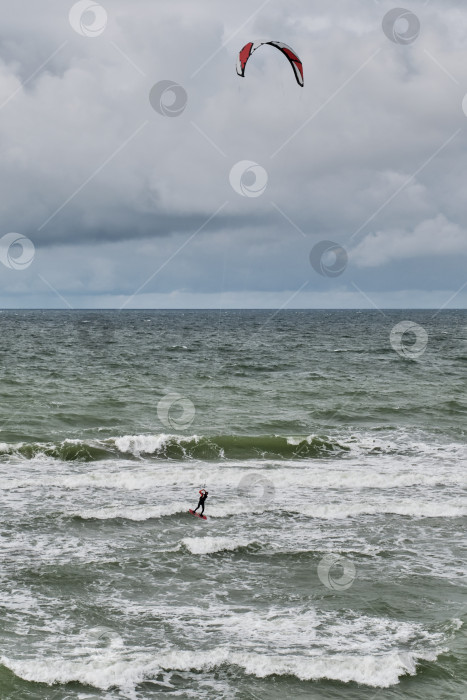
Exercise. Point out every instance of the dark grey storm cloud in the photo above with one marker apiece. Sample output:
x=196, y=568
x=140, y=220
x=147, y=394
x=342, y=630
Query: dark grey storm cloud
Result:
x=118, y=197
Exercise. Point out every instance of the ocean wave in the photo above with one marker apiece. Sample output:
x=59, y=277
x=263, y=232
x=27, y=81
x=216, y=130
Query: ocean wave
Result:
x=378, y=671
x=409, y=508
x=369, y=484
x=175, y=447
x=135, y=513
x=322, y=511
x=166, y=446
x=229, y=446
x=211, y=545
x=143, y=512
x=314, y=481
x=68, y=450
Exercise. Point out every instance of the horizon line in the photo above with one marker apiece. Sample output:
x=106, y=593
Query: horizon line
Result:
x=239, y=308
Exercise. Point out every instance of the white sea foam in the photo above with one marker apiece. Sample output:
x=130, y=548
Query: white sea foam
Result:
x=117, y=669
x=136, y=513
x=138, y=444
x=294, y=478
x=411, y=508
x=149, y=444
x=210, y=545
x=324, y=511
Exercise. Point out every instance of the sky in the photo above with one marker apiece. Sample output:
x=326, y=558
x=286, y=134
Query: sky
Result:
x=138, y=170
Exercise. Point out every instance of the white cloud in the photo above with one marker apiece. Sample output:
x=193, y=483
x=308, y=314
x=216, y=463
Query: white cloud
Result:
x=436, y=237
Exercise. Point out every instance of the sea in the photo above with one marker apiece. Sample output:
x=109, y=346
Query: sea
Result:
x=332, y=563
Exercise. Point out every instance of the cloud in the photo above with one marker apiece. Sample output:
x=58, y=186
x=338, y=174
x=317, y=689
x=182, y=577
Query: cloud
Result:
x=436, y=237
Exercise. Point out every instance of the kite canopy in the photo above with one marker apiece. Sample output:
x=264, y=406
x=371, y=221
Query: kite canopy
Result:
x=294, y=60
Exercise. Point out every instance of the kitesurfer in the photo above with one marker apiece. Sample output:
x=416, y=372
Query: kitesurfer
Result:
x=202, y=498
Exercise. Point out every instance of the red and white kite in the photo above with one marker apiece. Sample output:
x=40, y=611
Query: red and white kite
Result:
x=294, y=60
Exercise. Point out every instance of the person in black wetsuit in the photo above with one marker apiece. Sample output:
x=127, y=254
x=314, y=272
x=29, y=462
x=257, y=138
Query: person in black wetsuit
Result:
x=202, y=498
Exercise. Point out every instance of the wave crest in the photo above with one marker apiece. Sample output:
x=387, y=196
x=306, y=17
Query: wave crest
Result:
x=378, y=671
x=176, y=447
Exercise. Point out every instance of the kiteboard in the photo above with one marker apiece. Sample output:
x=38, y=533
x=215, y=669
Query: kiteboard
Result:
x=203, y=517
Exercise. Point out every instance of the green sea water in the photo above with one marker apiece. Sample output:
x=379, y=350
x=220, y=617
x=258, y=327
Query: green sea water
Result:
x=332, y=562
